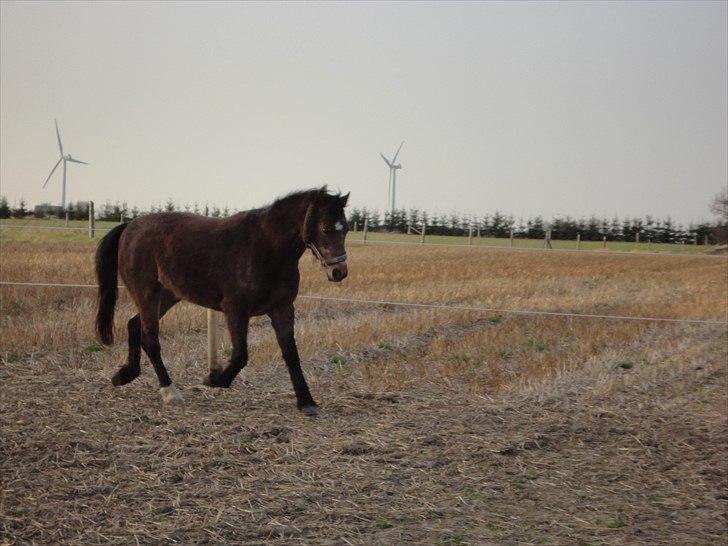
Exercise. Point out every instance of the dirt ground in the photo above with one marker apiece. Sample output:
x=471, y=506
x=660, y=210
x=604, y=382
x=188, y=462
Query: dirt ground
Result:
x=594, y=455
x=437, y=427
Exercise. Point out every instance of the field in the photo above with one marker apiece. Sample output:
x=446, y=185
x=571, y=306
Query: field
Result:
x=437, y=426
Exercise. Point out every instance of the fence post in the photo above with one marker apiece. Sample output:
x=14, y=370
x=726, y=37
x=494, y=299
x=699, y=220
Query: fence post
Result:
x=578, y=241
x=67, y=218
x=511, y=237
x=422, y=238
x=91, y=220
x=604, y=241
x=695, y=240
x=470, y=236
x=478, y=232
x=637, y=237
x=547, y=240
x=211, y=339
x=366, y=229
x=649, y=243
x=356, y=224
x=705, y=240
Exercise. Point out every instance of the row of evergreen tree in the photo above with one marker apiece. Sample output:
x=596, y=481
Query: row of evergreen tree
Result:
x=490, y=225
x=565, y=228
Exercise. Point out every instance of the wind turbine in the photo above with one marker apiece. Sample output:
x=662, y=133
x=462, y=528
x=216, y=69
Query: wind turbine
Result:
x=65, y=159
x=393, y=167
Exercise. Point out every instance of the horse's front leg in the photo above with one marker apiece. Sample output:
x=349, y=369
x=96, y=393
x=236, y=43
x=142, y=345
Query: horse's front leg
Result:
x=237, y=321
x=282, y=320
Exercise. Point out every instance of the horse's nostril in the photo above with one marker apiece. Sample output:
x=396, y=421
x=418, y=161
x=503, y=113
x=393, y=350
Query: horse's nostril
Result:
x=337, y=275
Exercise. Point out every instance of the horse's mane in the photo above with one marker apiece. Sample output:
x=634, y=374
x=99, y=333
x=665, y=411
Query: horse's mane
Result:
x=302, y=196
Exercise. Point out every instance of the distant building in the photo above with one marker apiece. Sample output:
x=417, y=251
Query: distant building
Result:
x=44, y=210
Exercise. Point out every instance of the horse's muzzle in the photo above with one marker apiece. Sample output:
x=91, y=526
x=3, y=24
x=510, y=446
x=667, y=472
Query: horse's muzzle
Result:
x=337, y=272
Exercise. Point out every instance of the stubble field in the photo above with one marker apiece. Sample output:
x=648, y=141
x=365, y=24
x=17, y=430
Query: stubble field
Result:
x=437, y=426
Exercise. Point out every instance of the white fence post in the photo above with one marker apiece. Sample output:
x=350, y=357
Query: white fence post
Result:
x=578, y=241
x=470, y=236
x=547, y=239
x=422, y=238
x=366, y=229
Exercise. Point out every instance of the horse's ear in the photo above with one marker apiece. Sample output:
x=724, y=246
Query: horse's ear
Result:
x=344, y=199
x=309, y=224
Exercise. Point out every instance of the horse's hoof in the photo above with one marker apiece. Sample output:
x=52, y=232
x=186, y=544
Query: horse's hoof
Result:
x=311, y=411
x=171, y=395
x=124, y=376
x=215, y=380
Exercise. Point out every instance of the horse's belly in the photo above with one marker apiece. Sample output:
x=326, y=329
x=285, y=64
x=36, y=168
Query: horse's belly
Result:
x=199, y=291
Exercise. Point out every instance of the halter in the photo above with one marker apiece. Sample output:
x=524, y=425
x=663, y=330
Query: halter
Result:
x=324, y=262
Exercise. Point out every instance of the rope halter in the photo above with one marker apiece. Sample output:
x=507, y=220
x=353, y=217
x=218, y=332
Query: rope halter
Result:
x=323, y=261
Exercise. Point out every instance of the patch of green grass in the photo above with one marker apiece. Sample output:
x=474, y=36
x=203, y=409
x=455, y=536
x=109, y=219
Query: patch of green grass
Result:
x=8, y=358
x=383, y=523
x=536, y=345
x=621, y=246
x=616, y=523
x=504, y=354
x=384, y=345
x=338, y=360
x=93, y=348
x=497, y=319
x=457, y=537
x=625, y=365
x=463, y=358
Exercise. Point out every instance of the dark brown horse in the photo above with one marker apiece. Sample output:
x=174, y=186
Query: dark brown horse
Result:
x=245, y=265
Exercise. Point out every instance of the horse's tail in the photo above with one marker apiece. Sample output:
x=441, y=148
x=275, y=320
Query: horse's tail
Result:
x=106, y=275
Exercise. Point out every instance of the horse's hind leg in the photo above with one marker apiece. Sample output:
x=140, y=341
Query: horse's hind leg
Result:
x=150, y=312
x=131, y=370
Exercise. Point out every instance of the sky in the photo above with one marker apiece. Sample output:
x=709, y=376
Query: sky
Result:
x=529, y=108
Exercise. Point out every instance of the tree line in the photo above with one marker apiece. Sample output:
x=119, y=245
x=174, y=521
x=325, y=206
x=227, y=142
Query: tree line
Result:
x=501, y=225
x=497, y=224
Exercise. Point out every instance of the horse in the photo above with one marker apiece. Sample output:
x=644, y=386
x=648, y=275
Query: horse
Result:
x=245, y=265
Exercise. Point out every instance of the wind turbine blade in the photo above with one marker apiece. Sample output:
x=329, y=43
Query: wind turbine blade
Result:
x=394, y=159
x=385, y=160
x=58, y=134
x=52, y=171
x=76, y=161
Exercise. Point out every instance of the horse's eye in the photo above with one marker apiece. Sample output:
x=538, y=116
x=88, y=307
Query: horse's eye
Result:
x=327, y=230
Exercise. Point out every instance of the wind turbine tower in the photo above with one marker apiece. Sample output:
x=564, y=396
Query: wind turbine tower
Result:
x=65, y=159
x=393, y=168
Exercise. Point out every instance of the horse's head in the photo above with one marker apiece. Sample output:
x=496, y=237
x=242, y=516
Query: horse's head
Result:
x=324, y=231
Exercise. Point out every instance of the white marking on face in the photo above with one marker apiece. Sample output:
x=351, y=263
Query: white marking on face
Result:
x=338, y=226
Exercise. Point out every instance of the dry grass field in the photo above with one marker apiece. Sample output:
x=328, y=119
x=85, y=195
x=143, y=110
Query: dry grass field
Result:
x=438, y=427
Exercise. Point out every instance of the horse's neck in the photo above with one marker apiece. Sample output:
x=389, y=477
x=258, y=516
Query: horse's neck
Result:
x=284, y=230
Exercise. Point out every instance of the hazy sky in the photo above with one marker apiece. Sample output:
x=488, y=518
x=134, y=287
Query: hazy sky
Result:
x=529, y=108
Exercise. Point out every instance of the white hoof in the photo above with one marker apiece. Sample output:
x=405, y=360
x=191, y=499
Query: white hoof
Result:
x=171, y=395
